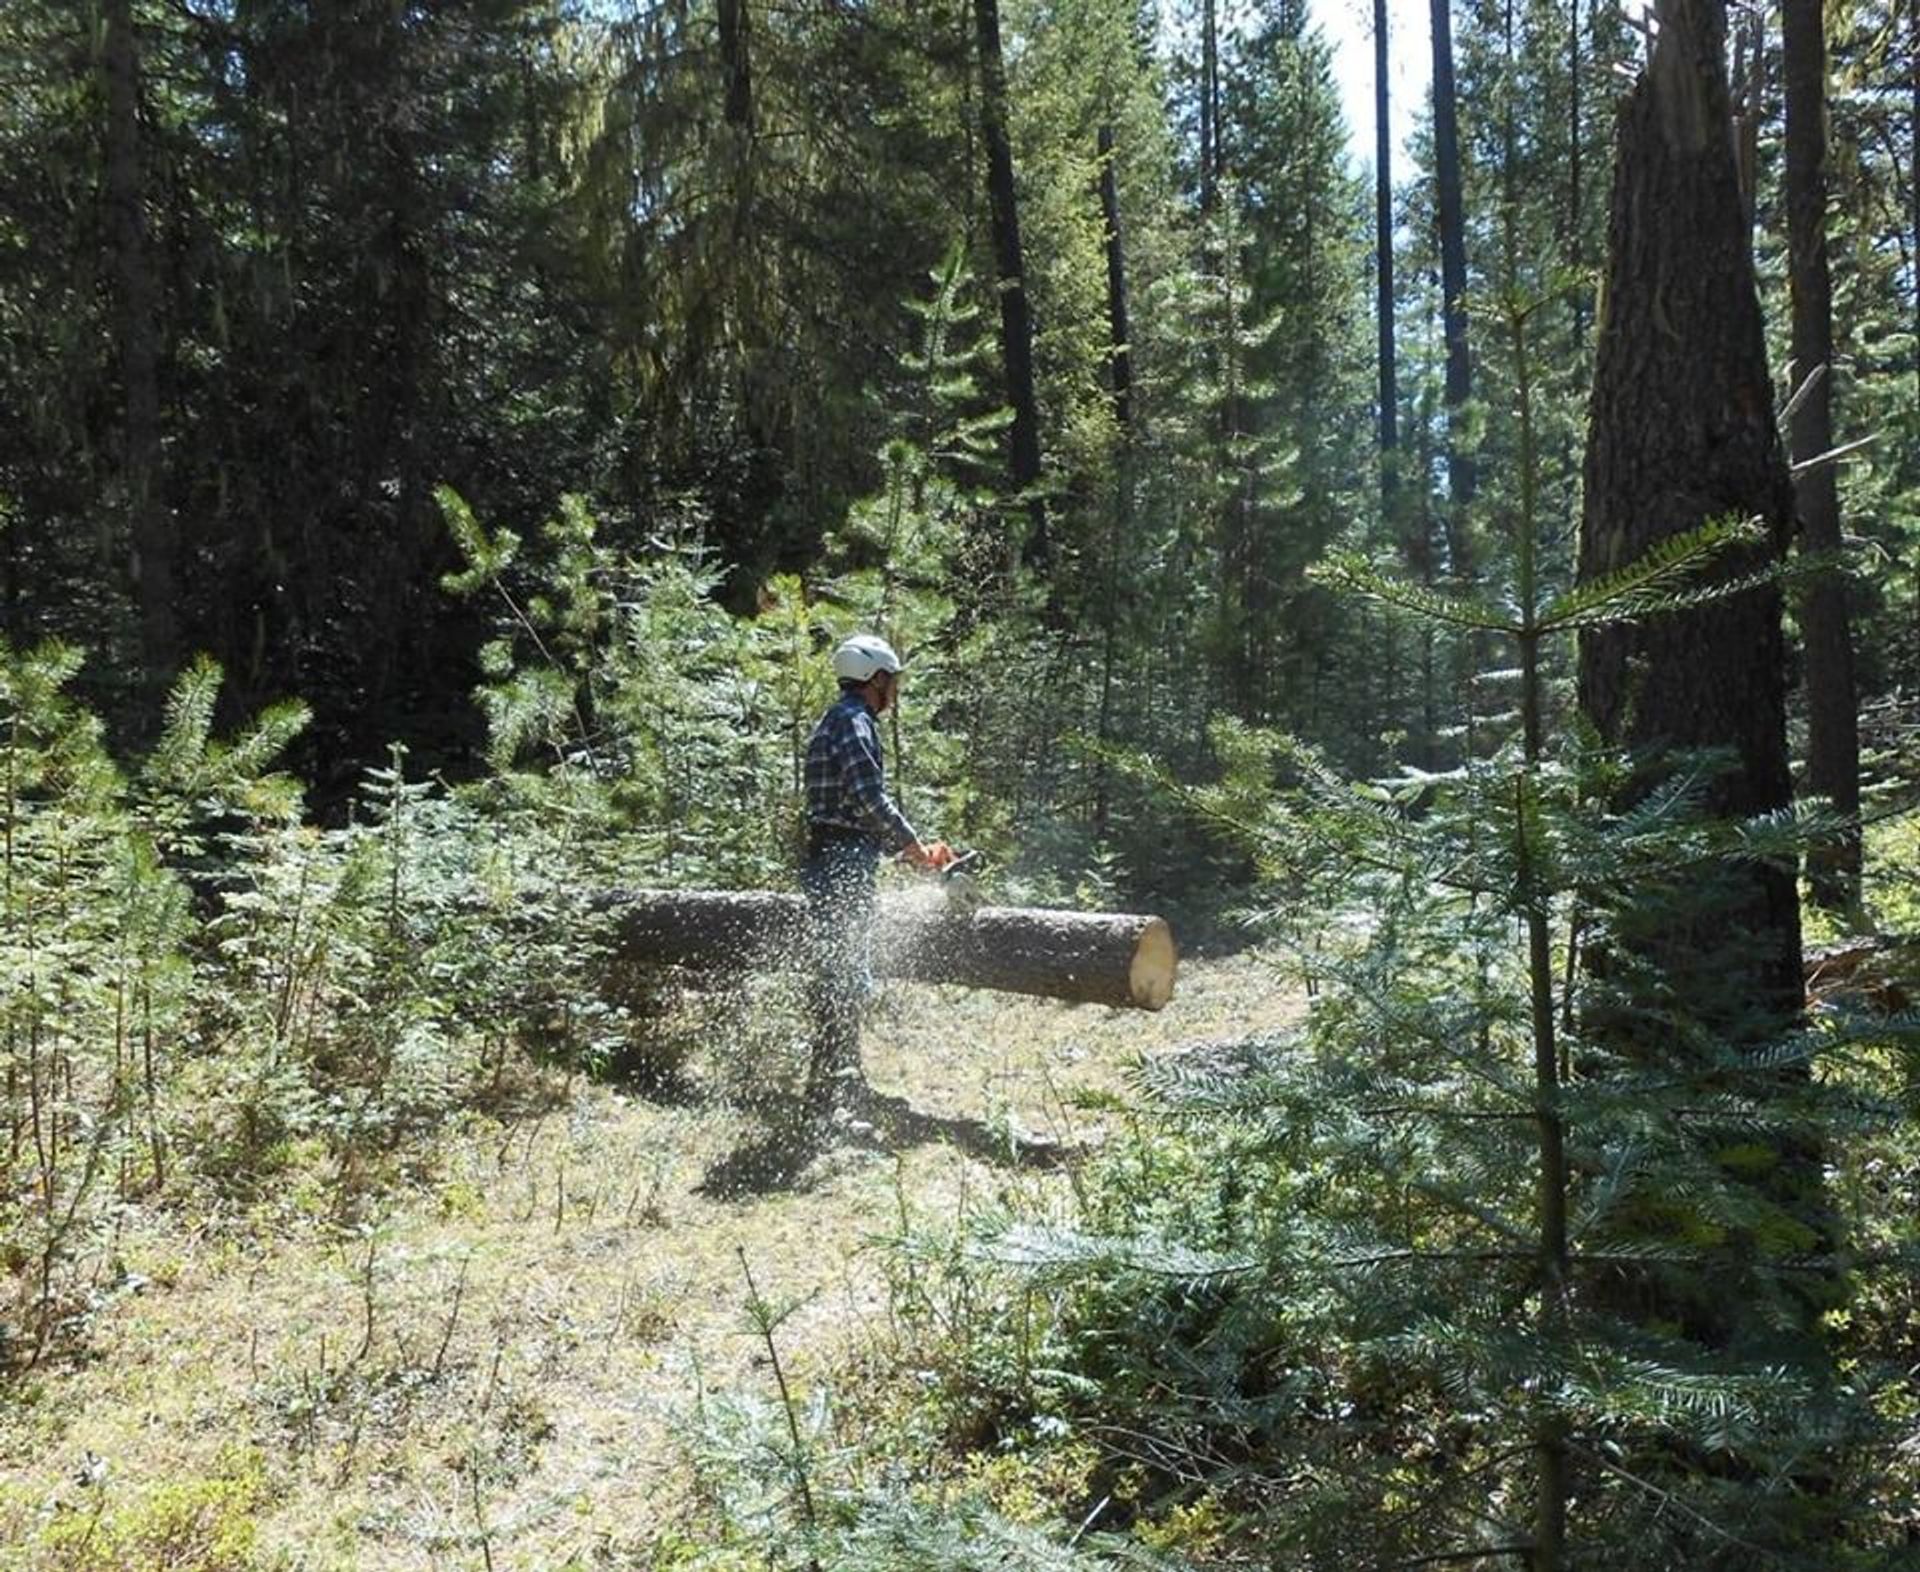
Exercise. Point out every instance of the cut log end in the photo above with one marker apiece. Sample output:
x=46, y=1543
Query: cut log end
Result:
x=1155, y=960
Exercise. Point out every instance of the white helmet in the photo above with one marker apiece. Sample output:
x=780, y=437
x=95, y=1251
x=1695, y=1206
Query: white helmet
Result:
x=859, y=657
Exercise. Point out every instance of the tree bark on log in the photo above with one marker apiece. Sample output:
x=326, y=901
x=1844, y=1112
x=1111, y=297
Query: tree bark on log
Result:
x=1123, y=960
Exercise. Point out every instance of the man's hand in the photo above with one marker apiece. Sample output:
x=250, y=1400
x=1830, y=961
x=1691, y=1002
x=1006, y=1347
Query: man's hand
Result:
x=932, y=855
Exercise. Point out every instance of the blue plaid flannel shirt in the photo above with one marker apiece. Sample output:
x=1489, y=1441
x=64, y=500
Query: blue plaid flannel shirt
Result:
x=847, y=777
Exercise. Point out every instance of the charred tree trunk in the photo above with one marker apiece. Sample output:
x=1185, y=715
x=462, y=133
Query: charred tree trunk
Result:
x=1125, y=961
x=1833, y=732
x=1748, y=91
x=1453, y=288
x=1120, y=355
x=151, y=535
x=1016, y=320
x=1681, y=431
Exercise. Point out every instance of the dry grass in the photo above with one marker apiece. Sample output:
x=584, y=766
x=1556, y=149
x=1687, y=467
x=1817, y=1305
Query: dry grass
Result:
x=486, y=1370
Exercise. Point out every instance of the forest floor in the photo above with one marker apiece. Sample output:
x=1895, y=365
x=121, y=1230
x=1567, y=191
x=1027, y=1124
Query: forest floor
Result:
x=493, y=1363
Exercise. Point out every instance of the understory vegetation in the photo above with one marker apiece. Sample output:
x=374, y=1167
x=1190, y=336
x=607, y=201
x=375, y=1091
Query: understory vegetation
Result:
x=1299, y=1305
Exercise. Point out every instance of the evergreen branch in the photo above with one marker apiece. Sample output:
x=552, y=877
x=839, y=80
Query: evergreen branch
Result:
x=182, y=749
x=1436, y=1111
x=1350, y=572
x=1642, y=1254
x=1036, y=1247
x=766, y=1321
x=1720, y=590
x=273, y=730
x=1519, y=1547
x=1387, y=1257
x=1654, y=582
x=1477, y=1210
x=1668, y=1498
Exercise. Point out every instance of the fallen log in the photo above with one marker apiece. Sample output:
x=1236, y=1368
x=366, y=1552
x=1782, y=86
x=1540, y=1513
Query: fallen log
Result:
x=1879, y=973
x=1123, y=960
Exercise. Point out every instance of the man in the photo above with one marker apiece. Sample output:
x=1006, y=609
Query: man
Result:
x=851, y=824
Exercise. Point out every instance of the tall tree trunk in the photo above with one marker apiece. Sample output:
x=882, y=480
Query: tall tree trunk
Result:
x=1120, y=354
x=1833, y=733
x=12, y=582
x=1209, y=103
x=1237, y=550
x=737, y=63
x=1748, y=92
x=1681, y=431
x=1417, y=542
x=1453, y=286
x=152, y=538
x=1016, y=321
x=1576, y=142
x=1120, y=370
x=1383, y=252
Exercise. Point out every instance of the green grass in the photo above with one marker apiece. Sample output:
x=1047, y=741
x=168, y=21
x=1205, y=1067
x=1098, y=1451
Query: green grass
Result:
x=489, y=1360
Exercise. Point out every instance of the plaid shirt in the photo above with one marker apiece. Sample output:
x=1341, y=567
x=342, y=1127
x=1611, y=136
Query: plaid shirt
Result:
x=847, y=777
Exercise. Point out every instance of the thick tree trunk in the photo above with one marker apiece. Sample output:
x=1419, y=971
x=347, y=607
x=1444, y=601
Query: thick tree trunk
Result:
x=1120, y=354
x=1747, y=90
x=1124, y=961
x=1681, y=431
x=1453, y=287
x=1833, y=732
x=1016, y=320
x=152, y=538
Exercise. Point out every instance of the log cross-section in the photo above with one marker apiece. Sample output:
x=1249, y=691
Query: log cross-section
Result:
x=1123, y=960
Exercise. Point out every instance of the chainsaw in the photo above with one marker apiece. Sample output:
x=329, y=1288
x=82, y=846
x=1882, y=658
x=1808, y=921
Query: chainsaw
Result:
x=956, y=880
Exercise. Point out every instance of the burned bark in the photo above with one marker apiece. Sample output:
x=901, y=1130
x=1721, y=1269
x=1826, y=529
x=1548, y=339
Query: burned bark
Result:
x=1681, y=432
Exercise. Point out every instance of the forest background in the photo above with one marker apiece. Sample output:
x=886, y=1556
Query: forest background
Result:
x=442, y=441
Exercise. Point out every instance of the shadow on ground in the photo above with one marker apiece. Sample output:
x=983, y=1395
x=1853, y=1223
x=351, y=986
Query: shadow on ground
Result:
x=784, y=1154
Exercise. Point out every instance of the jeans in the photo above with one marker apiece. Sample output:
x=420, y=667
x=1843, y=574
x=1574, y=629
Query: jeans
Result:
x=838, y=881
